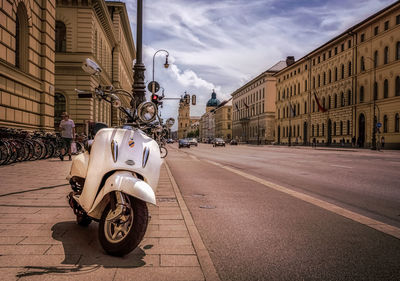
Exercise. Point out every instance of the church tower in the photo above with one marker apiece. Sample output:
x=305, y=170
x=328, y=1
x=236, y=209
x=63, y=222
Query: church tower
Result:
x=183, y=118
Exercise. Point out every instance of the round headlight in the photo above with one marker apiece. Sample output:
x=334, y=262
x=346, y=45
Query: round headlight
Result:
x=170, y=122
x=147, y=112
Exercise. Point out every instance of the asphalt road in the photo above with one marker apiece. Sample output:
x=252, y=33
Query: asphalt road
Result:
x=254, y=232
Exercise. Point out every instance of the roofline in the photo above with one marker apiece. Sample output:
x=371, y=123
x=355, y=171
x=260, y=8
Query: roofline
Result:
x=254, y=79
x=349, y=31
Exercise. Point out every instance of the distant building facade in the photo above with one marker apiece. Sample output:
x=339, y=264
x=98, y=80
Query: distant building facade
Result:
x=27, y=64
x=183, y=118
x=254, y=108
x=207, y=120
x=332, y=94
x=223, y=120
x=99, y=30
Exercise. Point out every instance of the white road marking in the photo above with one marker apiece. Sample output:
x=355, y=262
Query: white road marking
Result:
x=341, y=166
x=377, y=225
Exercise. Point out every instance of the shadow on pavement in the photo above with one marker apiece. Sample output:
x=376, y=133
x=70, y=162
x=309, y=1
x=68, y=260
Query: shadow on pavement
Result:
x=34, y=189
x=83, y=253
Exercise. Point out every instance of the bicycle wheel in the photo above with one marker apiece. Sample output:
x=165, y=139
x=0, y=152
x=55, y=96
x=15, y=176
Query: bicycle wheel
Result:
x=13, y=152
x=4, y=152
x=163, y=152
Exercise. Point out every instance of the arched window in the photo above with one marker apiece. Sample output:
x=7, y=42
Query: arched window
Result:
x=398, y=50
x=349, y=68
x=342, y=71
x=375, y=90
x=323, y=129
x=362, y=94
x=397, y=123
x=376, y=58
x=329, y=76
x=342, y=99
x=336, y=74
x=397, y=86
x=324, y=79
x=334, y=128
x=385, y=124
x=348, y=97
x=386, y=55
x=305, y=107
x=335, y=101
x=21, y=38
x=362, y=64
x=61, y=37
x=329, y=102
x=385, y=89
x=341, y=128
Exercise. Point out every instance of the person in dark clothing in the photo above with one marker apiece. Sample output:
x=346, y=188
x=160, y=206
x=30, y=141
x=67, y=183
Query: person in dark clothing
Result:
x=353, y=141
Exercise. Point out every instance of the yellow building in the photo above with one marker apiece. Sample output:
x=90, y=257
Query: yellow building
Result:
x=332, y=93
x=223, y=120
x=254, y=108
x=183, y=119
x=98, y=30
x=27, y=64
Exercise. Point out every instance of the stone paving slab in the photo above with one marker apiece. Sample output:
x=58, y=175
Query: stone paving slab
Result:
x=40, y=240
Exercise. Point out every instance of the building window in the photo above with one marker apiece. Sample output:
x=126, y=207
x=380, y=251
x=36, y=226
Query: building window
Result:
x=397, y=86
x=362, y=94
x=335, y=50
x=349, y=44
x=376, y=30
x=61, y=37
x=385, y=89
x=323, y=102
x=397, y=123
x=398, y=19
x=362, y=37
x=313, y=82
x=329, y=76
x=349, y=68
x=342, y=72
x=385, y=124
x=398, y=50
x=342, y=99
x=334, y=128
x=323, y=129
x=329, y=102
x=386, y=55
x=375, y=90
x=348, y=127
x=323, y=57
x=342, y=47
x=386, y=25
x=305, y=85
x=330, y=53
x=319, y=80
x=336, y=74
x=317, y=130
x=313, y=106
x=305, y=107
x=341, y=128
x=319, y=59
x=324, y=78
x=362, y=64
x=376, y=58
x=21, y=38
x=348, y=97
x=312, y=130
x=335, y=101
x=305, y=67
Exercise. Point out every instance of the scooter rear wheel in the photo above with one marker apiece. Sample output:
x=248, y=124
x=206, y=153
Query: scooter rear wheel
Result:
x=120, y=237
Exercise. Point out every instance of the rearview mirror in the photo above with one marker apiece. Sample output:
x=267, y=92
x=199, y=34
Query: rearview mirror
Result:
x=91, y=67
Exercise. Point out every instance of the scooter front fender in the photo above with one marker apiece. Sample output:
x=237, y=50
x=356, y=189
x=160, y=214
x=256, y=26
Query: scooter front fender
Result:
x=124, y=182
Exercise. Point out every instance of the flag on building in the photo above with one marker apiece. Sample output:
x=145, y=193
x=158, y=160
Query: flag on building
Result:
x=245, y=104
x=323, y=109
x=292, y=112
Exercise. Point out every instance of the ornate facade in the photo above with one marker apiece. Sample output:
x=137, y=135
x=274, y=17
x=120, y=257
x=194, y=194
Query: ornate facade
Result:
x=27, y=64
x=223, y=120
x=254, y=108
x=183, y=119
x=98, y=30
x=332, y=94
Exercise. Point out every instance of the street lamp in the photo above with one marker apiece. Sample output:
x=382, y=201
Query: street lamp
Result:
x=166, y=65
x=374, y=117
x=139, y=86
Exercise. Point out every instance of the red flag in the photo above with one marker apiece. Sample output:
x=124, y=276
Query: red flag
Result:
x=319, y=105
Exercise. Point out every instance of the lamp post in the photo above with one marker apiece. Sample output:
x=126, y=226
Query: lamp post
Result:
x=139, y=87
x=374, y=117
x=166, y=65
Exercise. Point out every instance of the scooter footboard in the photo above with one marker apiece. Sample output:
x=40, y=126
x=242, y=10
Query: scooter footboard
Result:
x=124, y=182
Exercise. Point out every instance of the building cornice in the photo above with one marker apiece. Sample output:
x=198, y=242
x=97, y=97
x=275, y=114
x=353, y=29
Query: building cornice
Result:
x=102, y=13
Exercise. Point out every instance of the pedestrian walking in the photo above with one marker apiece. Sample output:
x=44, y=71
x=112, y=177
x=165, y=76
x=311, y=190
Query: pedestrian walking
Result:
x=383, y=142
x=67, y=127
x=314, y=142
x=353, y=141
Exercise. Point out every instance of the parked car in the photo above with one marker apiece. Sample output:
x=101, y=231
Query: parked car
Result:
x=233, y=142
x=218, y=142
x=170, y=141
x=184, y=143
x=193, y=141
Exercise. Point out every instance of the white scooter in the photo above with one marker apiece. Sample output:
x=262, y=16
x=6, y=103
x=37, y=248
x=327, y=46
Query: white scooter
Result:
x=117, y=176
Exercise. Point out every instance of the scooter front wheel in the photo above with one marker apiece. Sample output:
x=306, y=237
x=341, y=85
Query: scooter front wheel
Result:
x=120, y=237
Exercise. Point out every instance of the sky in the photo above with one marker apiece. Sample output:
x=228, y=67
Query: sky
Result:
x=223, y=44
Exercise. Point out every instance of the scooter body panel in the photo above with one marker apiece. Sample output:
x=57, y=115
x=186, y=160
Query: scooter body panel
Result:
x=116, y=150
x=79, y=166
x=124, y=182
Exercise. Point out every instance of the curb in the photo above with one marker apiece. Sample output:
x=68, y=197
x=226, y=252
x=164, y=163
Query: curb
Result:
x=205, y=261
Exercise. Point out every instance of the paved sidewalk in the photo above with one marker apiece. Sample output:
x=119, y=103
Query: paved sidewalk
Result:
x=39, y=239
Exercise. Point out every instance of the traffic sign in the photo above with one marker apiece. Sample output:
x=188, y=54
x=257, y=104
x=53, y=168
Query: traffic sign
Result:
x=378, y=125
x=156, y=86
